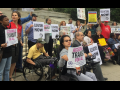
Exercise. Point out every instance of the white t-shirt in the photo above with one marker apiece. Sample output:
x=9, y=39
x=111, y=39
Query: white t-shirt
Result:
x=80, y=29
x=72, y=27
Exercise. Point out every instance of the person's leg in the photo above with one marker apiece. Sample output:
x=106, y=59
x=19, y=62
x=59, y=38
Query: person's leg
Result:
x=91, y=75
x=82, y=77
x=2, y=66
x=7, y=69
x=98, y=72
x=102, y=54
x=11, y=70
x=50, y=44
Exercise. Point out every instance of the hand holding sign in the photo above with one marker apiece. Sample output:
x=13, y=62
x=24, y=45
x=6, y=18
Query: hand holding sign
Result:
x=4, y=45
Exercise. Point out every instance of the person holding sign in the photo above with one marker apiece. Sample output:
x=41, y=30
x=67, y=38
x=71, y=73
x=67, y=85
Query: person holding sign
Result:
x=65, y=43
x=106, y=30
x=29, y=31
x=7, y=53
x=112, y=41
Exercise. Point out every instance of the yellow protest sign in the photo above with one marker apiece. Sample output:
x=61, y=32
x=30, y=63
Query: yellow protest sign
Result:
x=102, y=41
x=92, y=17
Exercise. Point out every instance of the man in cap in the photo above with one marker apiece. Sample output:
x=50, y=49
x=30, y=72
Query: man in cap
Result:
x=29, y=31
x=36, y=50
x=106, y=30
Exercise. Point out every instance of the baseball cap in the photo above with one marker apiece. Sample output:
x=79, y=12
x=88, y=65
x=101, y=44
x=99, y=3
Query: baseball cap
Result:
x=39, y=40
x=106, y=21
x=34, y=15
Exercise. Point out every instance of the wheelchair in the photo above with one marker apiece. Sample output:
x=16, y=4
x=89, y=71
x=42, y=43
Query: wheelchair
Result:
x=33, y=73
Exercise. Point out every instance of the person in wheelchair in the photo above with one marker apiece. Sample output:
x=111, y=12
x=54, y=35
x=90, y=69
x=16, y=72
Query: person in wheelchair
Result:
x=38, y=59
x=79, y=42
x=111, y=42
x=65, y=43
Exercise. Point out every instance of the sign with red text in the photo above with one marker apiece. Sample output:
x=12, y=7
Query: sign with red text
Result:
x=75, y=57
x=81, y=13
x=93, y=49
x=11, y=37
x=47, y=28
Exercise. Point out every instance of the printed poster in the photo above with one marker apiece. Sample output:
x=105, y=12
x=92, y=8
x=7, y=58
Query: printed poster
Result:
x=28, y=9
x=67, y=29
x=81, y=13
x=115, y=29
x=92, y=17
x=55, y=31
x=47, y=28
x=105, y=14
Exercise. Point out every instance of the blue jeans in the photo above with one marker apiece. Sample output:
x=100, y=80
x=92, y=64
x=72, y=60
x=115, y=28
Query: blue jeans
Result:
x=5, y=68
x=19, y=62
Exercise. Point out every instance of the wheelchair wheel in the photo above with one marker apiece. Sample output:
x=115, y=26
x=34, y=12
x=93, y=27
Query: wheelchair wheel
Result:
x=32, y=73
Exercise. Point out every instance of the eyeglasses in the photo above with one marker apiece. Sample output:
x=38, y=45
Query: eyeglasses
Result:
x=67, y=40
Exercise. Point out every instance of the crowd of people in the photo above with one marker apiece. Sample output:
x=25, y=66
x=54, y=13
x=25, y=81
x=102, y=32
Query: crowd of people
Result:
x=12, y=55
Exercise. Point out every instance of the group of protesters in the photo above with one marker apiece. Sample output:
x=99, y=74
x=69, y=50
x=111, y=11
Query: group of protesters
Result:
x=12, y=55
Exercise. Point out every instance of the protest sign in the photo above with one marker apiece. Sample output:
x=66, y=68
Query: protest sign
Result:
x=28, y=9
x=105, y=14
x=92, y=17
x=81, y=13
x=117, y=45
x=72, y=28
x=72, y=36
x=102, y=41
x=38, y=30
x=93, y=49
x=115, y=29
x=47, y=29
x=67, y=29
x=55, y=31
x=75, y=57
x=11, y=37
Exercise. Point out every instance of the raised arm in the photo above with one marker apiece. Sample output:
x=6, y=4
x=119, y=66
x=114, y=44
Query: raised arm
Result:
x=100, y=19
x=84, y=23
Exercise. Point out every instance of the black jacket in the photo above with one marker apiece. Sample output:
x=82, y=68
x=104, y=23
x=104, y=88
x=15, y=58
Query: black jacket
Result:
x=7, y=52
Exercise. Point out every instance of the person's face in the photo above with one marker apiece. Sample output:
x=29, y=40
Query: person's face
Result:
x=114, y=24
x=105, y=23
x=89, y=34
x=40, y=45
x=1, y=13
x=64, y=24
x=5, y=21
x=81, y=36
x=70, y=21
x=99, y=32
x=90, y=25
x=49, y=21
x=15, y=17
x=34, y=18
x=78, y=23
x=67, y=42
x=119, y=37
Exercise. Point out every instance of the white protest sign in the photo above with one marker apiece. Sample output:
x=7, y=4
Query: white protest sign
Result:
x=11, y=37
x=55, y=31
x=105, y=14
x=47, y=29
x=93, y=49
x=75, y=57
x=117, y=45
x=67, y=29
x=38, y=30
x=28, y=9
x=115, y=29
x=81, y=13
x=72, y=28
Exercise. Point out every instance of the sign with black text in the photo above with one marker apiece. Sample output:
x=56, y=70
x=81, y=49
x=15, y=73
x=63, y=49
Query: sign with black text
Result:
x=115, y=29
x=105, y=14
x=55, y=31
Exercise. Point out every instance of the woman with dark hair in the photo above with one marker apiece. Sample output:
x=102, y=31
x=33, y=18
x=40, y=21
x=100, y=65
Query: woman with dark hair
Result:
x=15, y=24
x=114, y=24
x=65, y=43
x=112, y=41
x=7, y=53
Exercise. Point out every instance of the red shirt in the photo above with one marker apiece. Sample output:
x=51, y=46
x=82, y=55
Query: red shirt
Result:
x=106, y=30
x=13, y=26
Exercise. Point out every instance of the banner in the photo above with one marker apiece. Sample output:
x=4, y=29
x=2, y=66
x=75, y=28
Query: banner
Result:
x=105, y=14
x=28, y=9
x=72, y=28
x=38, y=30
x=75, y=57
x=92, y=17
x=115, y=29
x=11, y=37
x=81, y=13
x=93, y=49
x=102, y=41
x=55, y=31
x=67, y=29
x=47, y=29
